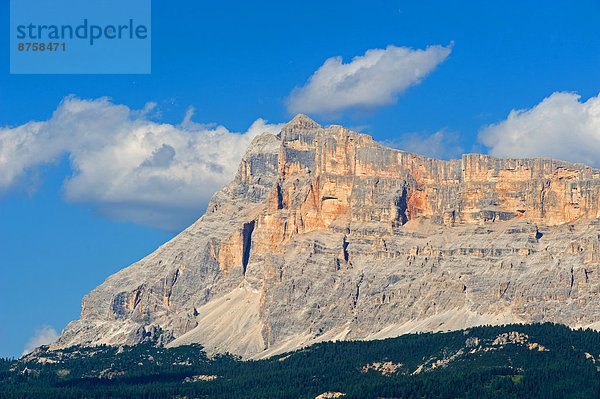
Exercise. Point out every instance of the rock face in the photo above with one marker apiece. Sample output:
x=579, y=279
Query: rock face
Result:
x=325, y=234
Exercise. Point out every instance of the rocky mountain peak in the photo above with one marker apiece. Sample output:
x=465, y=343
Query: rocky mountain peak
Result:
x=301, y=121
x=326, y=234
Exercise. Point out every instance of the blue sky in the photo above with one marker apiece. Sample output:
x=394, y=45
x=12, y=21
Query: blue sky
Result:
x=431, y=77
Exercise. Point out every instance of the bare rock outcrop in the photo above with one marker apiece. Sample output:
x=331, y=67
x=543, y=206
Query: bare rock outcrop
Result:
x=326, y=234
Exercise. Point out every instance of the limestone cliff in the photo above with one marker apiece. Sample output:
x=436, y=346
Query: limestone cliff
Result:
x=325, y=234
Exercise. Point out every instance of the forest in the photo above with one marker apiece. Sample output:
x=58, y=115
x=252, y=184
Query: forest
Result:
x=512, y=361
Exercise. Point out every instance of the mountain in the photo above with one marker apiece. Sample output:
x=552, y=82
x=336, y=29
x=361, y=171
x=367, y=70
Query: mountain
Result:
x=325, y=234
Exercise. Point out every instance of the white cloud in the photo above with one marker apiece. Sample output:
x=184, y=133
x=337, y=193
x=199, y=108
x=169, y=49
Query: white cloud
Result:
x=559, y=127
x=42, y=336
x=373, y=79
x=126, y=166
x=443, y=144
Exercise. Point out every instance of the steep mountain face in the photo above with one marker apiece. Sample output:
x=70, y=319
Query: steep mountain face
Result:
x=325, y=234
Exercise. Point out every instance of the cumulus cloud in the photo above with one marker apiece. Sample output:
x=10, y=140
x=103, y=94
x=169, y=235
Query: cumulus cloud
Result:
x=443, y=144
x=42, y=336
x=126, y=166
x=370, y=80
x=560, y=127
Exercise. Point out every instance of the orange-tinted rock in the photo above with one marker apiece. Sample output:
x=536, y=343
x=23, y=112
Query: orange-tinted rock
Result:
x=326, y=234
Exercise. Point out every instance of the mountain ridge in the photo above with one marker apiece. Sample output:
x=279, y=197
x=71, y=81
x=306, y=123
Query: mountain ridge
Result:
x=325, y=234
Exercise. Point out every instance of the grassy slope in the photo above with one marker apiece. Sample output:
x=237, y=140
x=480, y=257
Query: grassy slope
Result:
x=548, y=361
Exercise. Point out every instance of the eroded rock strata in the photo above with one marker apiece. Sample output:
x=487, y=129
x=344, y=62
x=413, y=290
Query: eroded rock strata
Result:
x=325, y=234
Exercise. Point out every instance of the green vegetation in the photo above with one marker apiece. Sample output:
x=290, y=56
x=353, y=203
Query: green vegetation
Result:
x=516, y=361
